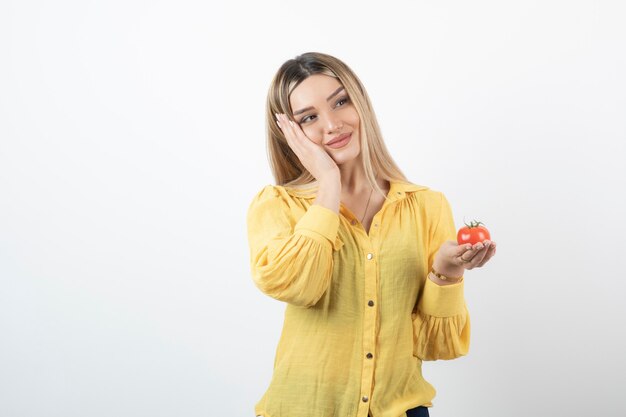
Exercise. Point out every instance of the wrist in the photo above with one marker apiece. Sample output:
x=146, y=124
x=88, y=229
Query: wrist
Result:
x=331, y=177
x=442, y=282
x=328, y=193
x=446, y=275
x=450, y=271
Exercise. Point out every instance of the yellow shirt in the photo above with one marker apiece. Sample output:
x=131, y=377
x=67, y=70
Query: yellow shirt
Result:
x=361, y=314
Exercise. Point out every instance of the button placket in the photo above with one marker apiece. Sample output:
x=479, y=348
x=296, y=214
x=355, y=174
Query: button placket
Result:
x=369, y=327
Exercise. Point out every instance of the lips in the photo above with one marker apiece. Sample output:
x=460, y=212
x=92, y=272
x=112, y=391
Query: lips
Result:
x=339, y=138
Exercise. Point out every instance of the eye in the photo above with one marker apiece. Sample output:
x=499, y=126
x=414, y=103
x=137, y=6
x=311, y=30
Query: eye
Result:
x=306, y=118
x=342, y=101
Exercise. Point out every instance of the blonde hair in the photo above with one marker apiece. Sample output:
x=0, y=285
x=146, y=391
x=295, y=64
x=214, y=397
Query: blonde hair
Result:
x=286, y=168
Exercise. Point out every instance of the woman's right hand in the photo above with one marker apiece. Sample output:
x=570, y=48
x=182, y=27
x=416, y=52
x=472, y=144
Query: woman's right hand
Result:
x=313, y=156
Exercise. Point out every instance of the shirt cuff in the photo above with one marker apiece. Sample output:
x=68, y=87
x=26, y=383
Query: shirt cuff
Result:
x=442, y=300
x=319, y=221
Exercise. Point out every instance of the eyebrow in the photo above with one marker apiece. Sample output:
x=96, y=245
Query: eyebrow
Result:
x=337, y=91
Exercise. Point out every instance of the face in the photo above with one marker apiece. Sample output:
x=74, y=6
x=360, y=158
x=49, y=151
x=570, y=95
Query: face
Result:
x=325, y=113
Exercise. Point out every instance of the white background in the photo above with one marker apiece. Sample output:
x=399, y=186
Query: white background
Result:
x=132, y=142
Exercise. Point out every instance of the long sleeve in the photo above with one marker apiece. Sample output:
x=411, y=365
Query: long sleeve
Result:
x=441, y=323
x=356, y=352
x=291, y=258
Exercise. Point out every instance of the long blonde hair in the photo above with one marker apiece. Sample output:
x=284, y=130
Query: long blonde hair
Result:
x=286, y=168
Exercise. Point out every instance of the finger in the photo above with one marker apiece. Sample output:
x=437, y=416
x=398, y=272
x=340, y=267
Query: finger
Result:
x=461, y=249
x=299, y=132
x=480, y=256
x=488, y=255
x=474, y=251
x=300, y=136
x=468, y=257
x=280, y=120
x=292, y=131
x=464, y=255
x=289, y=134
x=284, y=123
x=297, y=135
x=469, y=251
x=305, y=143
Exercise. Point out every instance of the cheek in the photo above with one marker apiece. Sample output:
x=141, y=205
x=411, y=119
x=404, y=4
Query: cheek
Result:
x=353, y=117
x=314, y=134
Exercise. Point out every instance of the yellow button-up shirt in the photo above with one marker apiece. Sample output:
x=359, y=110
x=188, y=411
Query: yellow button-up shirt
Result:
x=361, y=314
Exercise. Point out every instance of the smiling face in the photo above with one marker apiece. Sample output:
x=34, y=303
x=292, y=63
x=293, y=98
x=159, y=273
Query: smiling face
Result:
x=325, y=113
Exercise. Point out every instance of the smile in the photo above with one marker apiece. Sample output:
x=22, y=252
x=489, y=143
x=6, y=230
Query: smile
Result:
x=340, y=144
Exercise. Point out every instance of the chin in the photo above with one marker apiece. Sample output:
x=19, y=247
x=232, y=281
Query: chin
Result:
x=346, y=155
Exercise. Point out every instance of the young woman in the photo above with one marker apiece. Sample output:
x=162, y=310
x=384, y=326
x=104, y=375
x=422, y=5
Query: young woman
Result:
x=366, y=261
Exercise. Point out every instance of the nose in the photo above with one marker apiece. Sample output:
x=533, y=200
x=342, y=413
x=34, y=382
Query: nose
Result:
x=333, y=124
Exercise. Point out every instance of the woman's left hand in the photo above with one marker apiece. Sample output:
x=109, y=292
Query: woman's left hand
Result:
x=452, y=259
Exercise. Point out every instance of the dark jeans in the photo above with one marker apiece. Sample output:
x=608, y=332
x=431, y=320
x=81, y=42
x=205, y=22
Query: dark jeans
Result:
x=420, y=411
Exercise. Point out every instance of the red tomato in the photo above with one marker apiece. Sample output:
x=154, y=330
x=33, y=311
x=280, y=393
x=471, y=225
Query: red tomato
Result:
x=472, y=233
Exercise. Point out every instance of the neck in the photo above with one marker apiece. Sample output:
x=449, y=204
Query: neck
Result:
x=353, y=179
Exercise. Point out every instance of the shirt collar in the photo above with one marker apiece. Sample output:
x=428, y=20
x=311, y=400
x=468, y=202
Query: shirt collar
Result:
x=397, y=191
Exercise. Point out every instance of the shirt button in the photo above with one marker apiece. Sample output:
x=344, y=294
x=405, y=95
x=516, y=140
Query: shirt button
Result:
x=365, y=399
x=370, y=303
x=370, y=256
x=370, y=356
x=375, y=224
x=353, y=222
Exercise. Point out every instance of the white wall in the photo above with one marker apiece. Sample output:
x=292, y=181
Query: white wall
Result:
x=132, y=141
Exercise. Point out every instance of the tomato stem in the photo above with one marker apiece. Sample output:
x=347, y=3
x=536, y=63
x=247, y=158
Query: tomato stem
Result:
x=473, y=223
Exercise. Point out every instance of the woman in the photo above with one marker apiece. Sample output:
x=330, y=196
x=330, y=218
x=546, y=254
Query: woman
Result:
x=366, y=261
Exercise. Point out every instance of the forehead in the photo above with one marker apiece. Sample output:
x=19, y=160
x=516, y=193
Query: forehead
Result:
x=313, y=91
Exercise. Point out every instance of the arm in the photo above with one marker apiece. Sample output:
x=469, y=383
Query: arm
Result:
x=441, y=323
x=291, y=259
